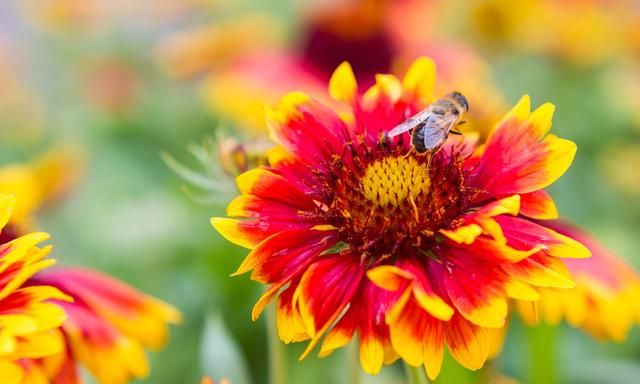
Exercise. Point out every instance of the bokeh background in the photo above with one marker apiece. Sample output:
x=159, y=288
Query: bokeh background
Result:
x=141, y=92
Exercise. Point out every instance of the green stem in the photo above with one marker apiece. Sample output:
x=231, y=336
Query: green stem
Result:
x=415, y=375
x=353, y=359
x=277, y=352
x=542, y=344
x=486, y=374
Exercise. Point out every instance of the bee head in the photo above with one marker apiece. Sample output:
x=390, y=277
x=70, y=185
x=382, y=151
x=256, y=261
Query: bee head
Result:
x=460, y=99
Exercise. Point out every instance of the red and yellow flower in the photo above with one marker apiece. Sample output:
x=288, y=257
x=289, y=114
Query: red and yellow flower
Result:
x=108, y=321
x=605, y=300
x=29, y=321
x=353, y=232
x=69, y=316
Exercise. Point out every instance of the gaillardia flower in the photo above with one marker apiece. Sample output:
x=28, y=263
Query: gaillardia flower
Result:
x=604, y=302
x=354, y=232
x=56, y=320
x=28, y=321
x=108, y=326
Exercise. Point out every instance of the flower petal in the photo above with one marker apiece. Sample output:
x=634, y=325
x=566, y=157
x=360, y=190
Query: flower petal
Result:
x=462, y=277
x=341, y=333
x=249, y=233
x=373, y=332
x=284, y=254
x=290, y=327
x=309, y=130
x=343, y=85
x=419, y=81
x=325, y=289
x=468, y=343
x=524, y=234
x=541, y=271
x=538, y=205
x=516, y=158
x=263, y=183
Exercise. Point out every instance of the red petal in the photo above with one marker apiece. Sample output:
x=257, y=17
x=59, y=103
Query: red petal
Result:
x=538, y=205
x=517, y=160
x=469, y=344
x=285, y=254
x=373, y=331
x=263, y=183
x=290, y=327
x=309, y=130
x=325, y=288
x=464, y=274
x=249, y=233
x=524, y=235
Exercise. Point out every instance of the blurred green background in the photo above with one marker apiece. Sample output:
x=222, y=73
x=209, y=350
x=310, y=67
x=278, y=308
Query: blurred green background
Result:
x=87, y=74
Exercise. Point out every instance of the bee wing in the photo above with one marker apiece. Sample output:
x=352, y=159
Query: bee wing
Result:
x=437, y=129
x=410, y=123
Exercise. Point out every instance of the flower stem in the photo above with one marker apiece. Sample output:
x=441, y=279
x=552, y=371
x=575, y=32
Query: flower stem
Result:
x=542, y=344
x=353, y=360
x=486, y=375
x=277, y=353
x=415, y=375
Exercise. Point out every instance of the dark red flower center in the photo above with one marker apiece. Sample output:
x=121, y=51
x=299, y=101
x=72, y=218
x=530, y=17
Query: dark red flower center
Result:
x=392, y=204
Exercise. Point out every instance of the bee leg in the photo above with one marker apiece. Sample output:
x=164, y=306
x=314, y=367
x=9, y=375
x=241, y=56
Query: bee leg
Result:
x=462, y=122
x=455, y=132
x=408, y=153
x=430, y=154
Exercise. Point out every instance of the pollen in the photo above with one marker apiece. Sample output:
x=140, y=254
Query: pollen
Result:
x=392, y=180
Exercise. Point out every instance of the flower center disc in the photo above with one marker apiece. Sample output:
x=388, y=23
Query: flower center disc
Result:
x=392, y=203
x=391, y=180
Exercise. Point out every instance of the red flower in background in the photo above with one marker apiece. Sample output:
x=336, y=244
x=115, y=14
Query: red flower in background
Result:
x=108, y=326
x=604, y=302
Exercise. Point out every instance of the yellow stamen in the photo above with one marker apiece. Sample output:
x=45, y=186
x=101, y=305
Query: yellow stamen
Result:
x=392, y=180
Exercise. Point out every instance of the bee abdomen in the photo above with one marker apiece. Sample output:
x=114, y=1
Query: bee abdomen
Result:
x=417, y=138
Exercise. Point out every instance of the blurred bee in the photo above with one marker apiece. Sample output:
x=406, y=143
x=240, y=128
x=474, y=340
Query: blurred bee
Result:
x=432, y=125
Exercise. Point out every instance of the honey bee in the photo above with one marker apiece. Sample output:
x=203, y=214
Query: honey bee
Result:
x=432, y=125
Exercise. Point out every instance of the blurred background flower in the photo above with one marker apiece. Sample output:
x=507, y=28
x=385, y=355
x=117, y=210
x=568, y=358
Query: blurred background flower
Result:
x=107, y=324
x=30, y=321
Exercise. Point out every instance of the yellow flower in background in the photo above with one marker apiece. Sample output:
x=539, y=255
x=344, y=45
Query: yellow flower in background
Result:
x=621, y=84
x=66, y=18
x=620, y=163
x=29, y=321
x=606, y=300
x=240, y=91
x=632, y=28
x=96, y=320
x=196, y=50
x=40, y=182
x=578, y=32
